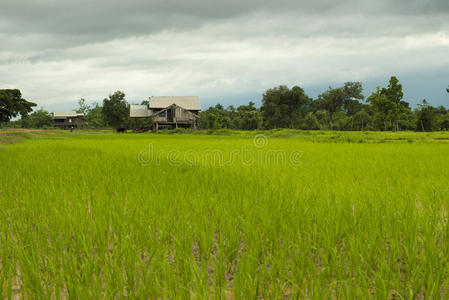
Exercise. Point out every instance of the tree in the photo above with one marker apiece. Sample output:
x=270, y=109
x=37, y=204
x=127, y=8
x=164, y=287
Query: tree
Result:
x=12, y=104
x=342, y=121
x=217, y=117
x=382, y=107
x=95, y=116
x=322, y=117
x=394, y=90
x=38, y=119
x=208, y=120
x=93, y=113
x=283, y=107
x=334, y=100
x=389, y=108
x=425, y=117
x=212, y=118
x=361, y=119
x=311, y=121
x=248, y=117
x=447, y=90
x=443, y=122
x=116, y=110
x=394, y=94
x=83, y=106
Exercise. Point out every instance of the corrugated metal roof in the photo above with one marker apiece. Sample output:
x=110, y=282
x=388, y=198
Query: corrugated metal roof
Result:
x=139, y=111
x=186, y=102
x=66, y=114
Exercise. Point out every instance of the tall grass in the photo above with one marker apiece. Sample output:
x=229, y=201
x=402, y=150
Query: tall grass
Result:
x=83, y=218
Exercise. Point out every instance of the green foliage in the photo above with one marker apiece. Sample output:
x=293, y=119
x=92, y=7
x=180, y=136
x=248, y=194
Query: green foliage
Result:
x=361, y=120
x=311, y=121
x=246, y=117
x=38, y=119
x=83, y=106
x=95, y=117
x=442, y=118
x=394, y=90
x=388, y=106
x=383, y=109
x=116, y=110
x=333, y=100
x=214, y=118
x=12, y=104
x=342, y=121
x=337, y=108
x=425, y=117
x=93, y=113
x=283, y=107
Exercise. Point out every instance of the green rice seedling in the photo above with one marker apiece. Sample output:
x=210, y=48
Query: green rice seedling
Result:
x=234, y=215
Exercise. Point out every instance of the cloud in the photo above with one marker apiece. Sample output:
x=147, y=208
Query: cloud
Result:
x=58, y=51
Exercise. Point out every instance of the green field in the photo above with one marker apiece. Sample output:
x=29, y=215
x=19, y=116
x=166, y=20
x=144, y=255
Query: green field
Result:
x=276, y=214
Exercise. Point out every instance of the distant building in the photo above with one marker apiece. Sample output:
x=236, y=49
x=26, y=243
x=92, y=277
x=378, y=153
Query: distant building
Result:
x=66, y=119
x=169, y=111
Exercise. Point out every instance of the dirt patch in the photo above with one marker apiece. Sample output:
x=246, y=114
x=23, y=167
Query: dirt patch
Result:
x=14, y=130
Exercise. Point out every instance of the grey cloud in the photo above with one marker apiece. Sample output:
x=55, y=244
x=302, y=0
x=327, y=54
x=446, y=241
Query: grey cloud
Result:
x=122, y=18
x=49, y=25
x=66, y=49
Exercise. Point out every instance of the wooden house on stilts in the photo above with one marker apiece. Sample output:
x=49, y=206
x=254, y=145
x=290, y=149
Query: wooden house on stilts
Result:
x=169, y=111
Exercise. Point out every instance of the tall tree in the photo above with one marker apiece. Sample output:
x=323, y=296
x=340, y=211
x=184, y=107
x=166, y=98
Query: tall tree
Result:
x=116, y=110
x=283, y=107
x=398, y=107
x=425, y=117
x=388, y=104
x=382, y=108
x=394, y=90
x=12, y=104
x=334, y=100
x=394, y=93
x=83, y=107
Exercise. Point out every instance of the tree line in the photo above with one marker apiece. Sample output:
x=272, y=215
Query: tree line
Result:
x=340, y=108
x=112, y=112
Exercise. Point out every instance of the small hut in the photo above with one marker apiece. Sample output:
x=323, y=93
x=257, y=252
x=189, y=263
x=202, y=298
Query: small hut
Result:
x=68, y=119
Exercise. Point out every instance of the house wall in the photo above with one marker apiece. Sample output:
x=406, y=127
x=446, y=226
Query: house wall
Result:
x=179, y=116
x=77, y=122
x=182, y=115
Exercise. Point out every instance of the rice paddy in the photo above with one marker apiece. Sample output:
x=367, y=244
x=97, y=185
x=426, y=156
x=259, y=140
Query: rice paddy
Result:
x=281, y=214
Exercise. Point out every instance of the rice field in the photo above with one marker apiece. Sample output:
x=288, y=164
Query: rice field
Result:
x=274, y=215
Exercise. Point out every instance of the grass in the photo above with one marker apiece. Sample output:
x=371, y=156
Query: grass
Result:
x=98, y=215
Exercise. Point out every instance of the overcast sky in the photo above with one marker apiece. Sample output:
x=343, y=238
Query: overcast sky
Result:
x=57, y=51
